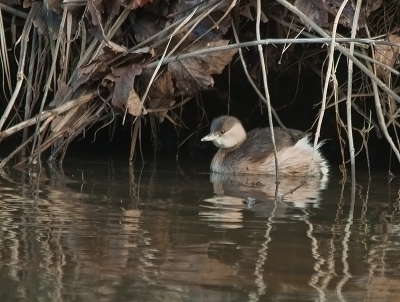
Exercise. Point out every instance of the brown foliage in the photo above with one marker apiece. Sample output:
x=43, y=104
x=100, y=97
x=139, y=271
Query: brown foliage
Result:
x=319, y=11
x=388, y=55
x=124, y=94
x=195, y=73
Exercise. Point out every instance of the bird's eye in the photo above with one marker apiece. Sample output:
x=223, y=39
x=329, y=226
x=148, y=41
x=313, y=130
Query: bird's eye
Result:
x=223, y=131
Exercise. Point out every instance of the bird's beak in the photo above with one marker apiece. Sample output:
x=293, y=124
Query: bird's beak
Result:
x=210, y=137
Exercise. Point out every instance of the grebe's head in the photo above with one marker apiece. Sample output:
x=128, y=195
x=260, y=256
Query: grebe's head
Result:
x=226, y=132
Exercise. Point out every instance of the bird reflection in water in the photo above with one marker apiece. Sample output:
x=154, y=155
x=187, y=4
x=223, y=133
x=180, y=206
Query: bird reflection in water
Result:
x=259, y=194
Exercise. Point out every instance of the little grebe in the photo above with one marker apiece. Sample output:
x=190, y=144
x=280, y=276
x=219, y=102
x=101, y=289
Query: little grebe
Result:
x=253, y=152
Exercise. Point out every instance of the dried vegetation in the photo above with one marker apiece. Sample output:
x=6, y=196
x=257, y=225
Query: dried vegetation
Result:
x=69, y=65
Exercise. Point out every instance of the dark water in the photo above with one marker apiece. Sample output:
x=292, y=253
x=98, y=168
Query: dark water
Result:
x=104, y=231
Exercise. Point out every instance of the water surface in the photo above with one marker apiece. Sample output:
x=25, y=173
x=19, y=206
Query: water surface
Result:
x=106, y=231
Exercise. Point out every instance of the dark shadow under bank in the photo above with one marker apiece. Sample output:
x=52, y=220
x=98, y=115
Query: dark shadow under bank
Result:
x=294, y=98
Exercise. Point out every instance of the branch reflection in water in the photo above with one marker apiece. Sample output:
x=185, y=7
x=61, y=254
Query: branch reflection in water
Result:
x=103, y=231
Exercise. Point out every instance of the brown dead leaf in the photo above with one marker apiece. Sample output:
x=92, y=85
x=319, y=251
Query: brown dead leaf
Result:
x=249, y=11
x=95, y=10
x=245, y=11
x=124, y=96
x=116, y=48
x=109, y=81
x=62, y=91
x=162, y=87
x=372, y=6
x=39, y=21
x=110, y=51
x=193, y=74
x=26, y=3
x=160, y=103
x=158, y=7
x=89, y=73
x=387, y=55
x=160, y=95
x=208, y=28
x=11, y=2
x=55, y=6
x=40, y=24
x=203, y=28
x=134, y=105
x=112, y=8
x=346, y=18
x=94, y=13
x=134, y=4
x=146, y=27
x=316, y=10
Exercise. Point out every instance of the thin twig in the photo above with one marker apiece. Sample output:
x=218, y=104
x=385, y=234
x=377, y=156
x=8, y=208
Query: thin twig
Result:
x=164, y=33
x=49, y=79
x=14, y=11
x=255, y=88
x=24, y=38
x=324, y=40
x=46, y=114
x=349, y=99
x=267, y=96
x=342, y=49
x=29, y=91
x=187, y=19
x=379, y=113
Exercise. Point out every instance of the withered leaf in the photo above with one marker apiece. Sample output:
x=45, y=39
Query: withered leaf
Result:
x=159, y=103
x=346, y=18
x=182, y=9
x=193, y=74
x=160, y=95
x=215, y=34
x=189, y=77
x=387, y=55
x=133, y=104
x=89, y=72
x=94, y=13
x=146, y=27
x=55, y=5
x=95, y=9
x=124, y=96
x=109, y=81
x=116, y=48
x=11, y=2
x=249, y=11
x=134, y=4
x=62, y=92
x=38, y=18
x=40, y=24
x=158, y=7
x=316, y=10
x=112, y=8
x=372, y=6
x=109, y=51
x=162, y=87
x=26, y=3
